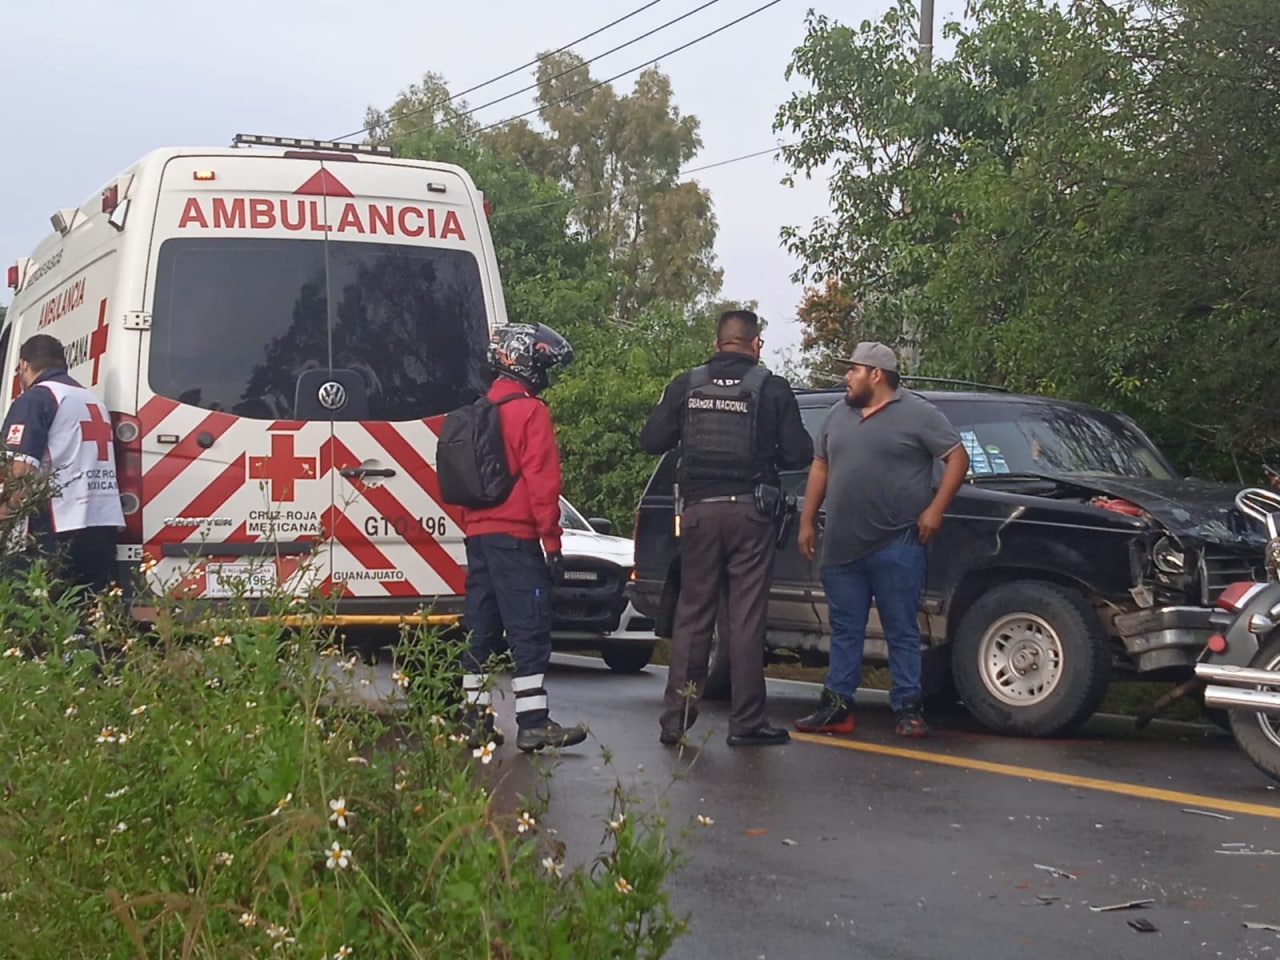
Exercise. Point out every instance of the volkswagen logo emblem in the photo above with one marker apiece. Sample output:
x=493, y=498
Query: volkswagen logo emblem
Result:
x=332, y=395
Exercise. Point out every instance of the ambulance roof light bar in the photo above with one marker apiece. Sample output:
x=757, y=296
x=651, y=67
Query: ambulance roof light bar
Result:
x=254, y=140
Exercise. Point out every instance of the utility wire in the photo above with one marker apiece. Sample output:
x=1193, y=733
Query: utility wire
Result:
x=682, y=173
x=617, y=76
x=599, y=56
x=514, y=70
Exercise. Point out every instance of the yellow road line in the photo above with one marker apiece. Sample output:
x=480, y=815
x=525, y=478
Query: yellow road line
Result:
x=1050, y=776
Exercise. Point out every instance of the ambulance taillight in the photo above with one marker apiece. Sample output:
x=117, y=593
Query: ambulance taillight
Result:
x=13, y=276
x=128, y=444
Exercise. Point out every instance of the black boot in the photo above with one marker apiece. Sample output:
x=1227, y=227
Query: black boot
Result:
x=834, y=715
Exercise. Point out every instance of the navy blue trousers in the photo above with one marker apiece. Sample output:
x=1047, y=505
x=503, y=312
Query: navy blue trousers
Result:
x=509, y=596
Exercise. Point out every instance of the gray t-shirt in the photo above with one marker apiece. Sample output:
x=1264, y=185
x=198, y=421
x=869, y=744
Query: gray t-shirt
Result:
x=880, y=471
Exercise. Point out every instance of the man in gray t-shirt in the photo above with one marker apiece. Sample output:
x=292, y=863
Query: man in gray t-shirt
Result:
x=875, y=454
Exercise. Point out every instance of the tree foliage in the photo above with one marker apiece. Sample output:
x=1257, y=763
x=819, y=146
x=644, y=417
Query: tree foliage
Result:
x=1081, y=201
x=596, y=237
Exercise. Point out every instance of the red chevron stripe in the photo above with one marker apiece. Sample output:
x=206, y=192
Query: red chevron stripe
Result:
x=412, y=461
x=386, y=503
x=183, y=454
x=207, y=502
x=366, y=552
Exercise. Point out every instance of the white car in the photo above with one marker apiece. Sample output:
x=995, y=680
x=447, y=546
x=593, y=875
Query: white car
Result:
x=590, y=609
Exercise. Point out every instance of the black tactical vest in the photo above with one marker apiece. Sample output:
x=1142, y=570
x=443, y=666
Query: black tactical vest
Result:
x=718, y=430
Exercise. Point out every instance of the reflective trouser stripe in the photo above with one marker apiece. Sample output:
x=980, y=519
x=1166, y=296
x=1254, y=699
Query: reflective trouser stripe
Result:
x=471, y=685
x=529, y=702
x=524, y=684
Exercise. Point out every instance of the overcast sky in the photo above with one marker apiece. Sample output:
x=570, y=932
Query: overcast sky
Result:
x=92, y=86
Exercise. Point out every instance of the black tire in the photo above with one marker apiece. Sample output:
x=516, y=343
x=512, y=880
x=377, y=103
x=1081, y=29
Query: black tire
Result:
x=718, y=686
x=627, y=657
x=1258, y=734
x=1030, y=658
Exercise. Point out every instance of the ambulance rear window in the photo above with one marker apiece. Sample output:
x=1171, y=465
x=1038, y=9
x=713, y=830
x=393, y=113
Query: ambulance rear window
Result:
x=246, y=326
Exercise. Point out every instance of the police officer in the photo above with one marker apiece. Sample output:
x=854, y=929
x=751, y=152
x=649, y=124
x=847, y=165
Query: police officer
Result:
x=58, y=429
x=513, y=548
x=736, y=424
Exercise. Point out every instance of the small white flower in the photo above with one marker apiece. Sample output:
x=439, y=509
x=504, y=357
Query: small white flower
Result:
x=40, y=593
x=339, y=859
x=138, y=710
x=278, y=934
x=400, y=679
x=224, y=859
x=122, y=738
x=71, y=711
x=339, y=815
x=616, y=825
x=115, y=591
x=343, y=952
x=525, y=822
x=222, y=640
x=358, y=760
x=553, y=866
x=149, y=564
x=250, y=704
x=281, y=804
x=213, y=683
x=485, y=753
x=120, y=827
x=116, y=794
x=247, y=919
x=128, y=644
x=622, y=885
x=348, y=665
x=13, y=652
x=436, y=720
x=108, y=735
x=705, y=821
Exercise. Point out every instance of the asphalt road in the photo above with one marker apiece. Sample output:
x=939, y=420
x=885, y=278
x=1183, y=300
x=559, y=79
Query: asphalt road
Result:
x=873, y=847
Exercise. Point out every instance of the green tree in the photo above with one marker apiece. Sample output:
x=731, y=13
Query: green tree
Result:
x=619, y=158
x=1082, y=201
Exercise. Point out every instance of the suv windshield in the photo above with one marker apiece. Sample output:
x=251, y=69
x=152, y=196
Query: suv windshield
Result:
x=571, y=519
x=1044, y=438
x=236, y=322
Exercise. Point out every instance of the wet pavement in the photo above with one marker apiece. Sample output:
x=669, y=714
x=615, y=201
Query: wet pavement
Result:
x=953, y=847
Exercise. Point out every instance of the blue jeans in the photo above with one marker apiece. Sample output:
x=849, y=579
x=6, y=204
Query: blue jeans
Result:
x=894, y=576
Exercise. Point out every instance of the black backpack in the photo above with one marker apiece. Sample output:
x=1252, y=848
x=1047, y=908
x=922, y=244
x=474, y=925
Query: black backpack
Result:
x=471, y=461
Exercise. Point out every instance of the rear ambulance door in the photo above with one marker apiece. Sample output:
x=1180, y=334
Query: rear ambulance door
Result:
x=302, y=332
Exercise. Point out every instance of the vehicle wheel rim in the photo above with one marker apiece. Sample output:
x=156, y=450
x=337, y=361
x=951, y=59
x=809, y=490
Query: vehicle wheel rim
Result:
x=1021, y=659
x=1270, y=725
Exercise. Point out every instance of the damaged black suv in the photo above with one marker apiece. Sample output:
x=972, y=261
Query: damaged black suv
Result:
x=1073, y=552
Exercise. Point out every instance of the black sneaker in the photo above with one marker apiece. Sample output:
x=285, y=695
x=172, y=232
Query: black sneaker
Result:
x=834, y=715
x=911, y=721
x=549, y=734
x=479, y=729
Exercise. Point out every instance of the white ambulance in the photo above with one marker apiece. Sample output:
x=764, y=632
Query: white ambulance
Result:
x=277, y=329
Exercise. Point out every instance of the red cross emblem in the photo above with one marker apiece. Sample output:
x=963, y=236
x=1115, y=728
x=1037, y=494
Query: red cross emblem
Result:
x=282, y=468
x=98, y=339
x=96, y=430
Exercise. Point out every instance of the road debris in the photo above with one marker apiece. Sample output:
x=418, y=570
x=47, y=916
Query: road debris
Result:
x=1041, y=900
x=1143, y=925
x=1251, y=925
x=1244, y=850
x=1207, y=813
x=1127, y=905
x=788, y=842
x=1054, y=871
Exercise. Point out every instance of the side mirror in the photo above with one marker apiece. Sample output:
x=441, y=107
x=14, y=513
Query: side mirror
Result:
x=601, y=525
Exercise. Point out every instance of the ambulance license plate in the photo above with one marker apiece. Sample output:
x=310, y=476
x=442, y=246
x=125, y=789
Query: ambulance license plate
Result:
x=239, y=579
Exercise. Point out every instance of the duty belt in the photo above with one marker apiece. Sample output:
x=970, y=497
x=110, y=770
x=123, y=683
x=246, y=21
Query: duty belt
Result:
x=731, y=498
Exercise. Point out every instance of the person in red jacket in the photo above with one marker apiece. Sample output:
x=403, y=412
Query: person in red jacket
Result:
x=513, y=549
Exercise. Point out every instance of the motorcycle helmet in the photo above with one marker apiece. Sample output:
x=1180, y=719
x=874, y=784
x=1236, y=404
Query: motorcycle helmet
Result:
x=526, y=351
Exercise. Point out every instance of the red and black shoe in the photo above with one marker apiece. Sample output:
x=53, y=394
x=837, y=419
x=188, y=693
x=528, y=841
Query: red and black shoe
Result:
x=834, y=715
x=911, y=721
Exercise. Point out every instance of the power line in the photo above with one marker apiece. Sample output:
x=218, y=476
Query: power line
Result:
x=514, y=70
x=682, y=173
x=617, y=76
x=598, y=56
